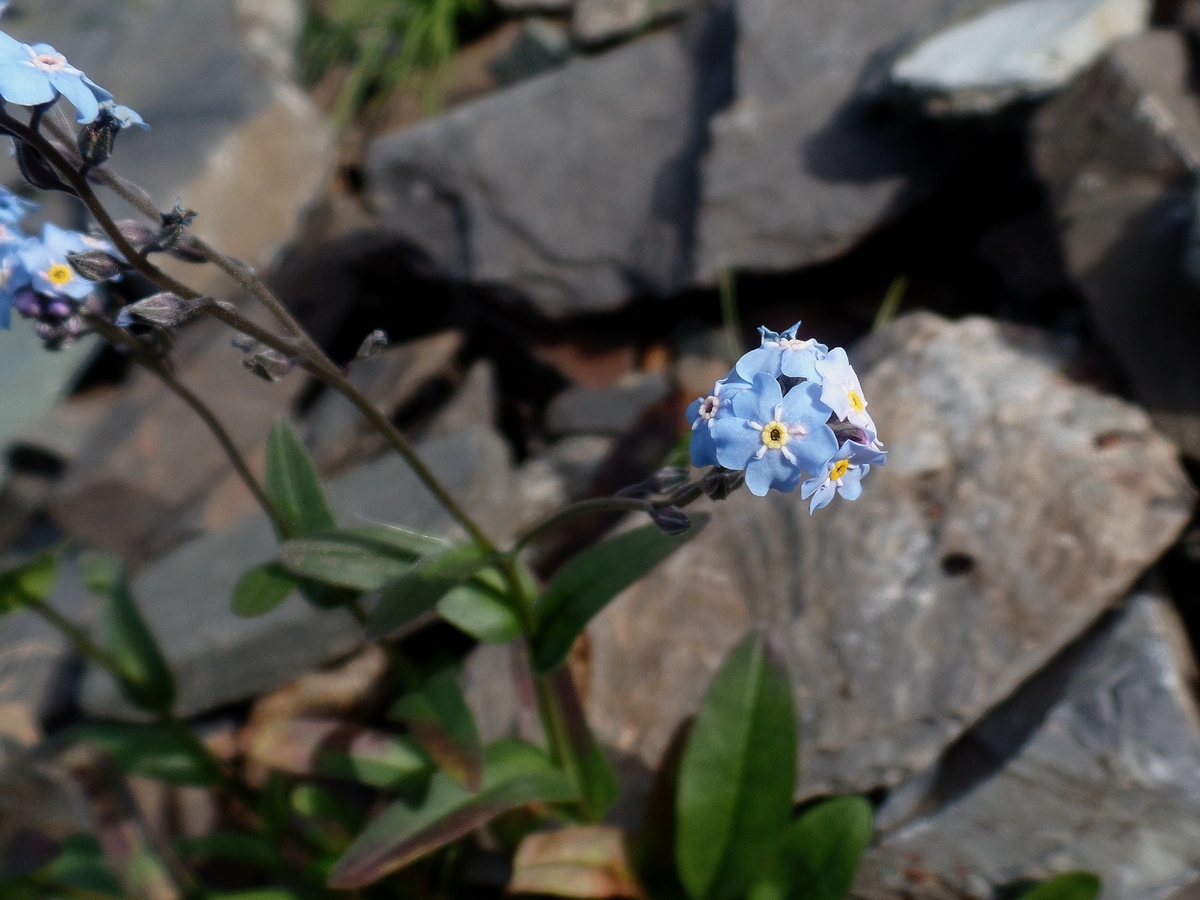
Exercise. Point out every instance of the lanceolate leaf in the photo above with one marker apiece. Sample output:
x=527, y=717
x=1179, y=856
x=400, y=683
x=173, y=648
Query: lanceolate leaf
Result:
x=145, y=679
x=480, y=608
x=1068, y=886
x=293, y=485
x=344, y=562
x=418, y=590
x=819, y=853
x=737, y=775
x=262, y=589
x=586, y=584
x=439, y=718
x=598, y=787
x=514, y=775
x=31, y=581
x=153, y=751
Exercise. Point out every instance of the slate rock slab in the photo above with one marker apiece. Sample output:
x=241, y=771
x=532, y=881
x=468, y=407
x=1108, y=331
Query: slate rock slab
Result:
x=1015, y=508
x=573, y=191
x=1106, y=782
x=1023, y=50
x=219, y=658
x=1118, y=151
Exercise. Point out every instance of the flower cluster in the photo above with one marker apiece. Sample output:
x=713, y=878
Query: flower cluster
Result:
x=791, y=413
x=36, y=275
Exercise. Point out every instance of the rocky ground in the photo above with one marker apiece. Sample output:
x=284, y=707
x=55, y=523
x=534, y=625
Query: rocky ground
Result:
x=995, y=643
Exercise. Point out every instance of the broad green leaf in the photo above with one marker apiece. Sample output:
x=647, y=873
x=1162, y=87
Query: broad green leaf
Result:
x=293, y=485
x=737, y=775
x=154, y=751
x=418, y=590
x=438, y=717
x=598, y=786
x=514, y=775
x=262, y=589
x=82, y=865
x=819, y=853
x=1068, y=886
x=411, y=545
x=314, y=802
x=146, y=680
x=31, y=581
x=234, y=846
x=344, y=561
x=336, y=749
x=481, y=609
x=586, y=584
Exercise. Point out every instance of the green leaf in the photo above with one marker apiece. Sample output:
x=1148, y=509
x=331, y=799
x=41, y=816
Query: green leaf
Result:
x=293, y=485
x=23, y=584
x=234, y=846
x=314, y=802
x=82, y=865
x=598, y=786
x=146, y=680
x=336, y=749
x=419, y=589
x=438, y=717
x=262, y=589
x=514, y=775
x=819, y=853
x=344, y=561
x=586, y=584
x=737, y=775
x=1068, y=886
x=154, y=751
x=480, y=608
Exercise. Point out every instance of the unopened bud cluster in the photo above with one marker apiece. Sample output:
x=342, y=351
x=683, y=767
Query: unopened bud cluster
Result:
x=790, y=414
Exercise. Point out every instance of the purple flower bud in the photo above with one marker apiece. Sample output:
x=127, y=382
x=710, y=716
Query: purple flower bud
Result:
x=95, y=265
x=28, y=304
x=59, y=308
x=670, y=519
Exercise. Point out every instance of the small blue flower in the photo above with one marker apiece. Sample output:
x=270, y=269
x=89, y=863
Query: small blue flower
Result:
x=46, y=262
x=782, y=354
x=13, y=278
x=706, y=410
x=122, y=116
x=775, y=438
x=842, y=474
x=32, y=76
x=13, y=208
x=842, y=393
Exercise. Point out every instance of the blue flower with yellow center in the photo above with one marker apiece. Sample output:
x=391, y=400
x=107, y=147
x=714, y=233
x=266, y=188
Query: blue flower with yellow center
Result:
x=46, y=262
x=775, y=438
x=704, y=411
x=842, y=474
x=782, y=354
x=37, y=75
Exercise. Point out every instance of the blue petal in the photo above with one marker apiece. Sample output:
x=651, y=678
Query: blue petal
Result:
x=80, y=95
x=24, y=86
x=851, y=486
x=800, y=364
x=11, y=48
x=803, y=406
x=736, y=441
x=861, y=454
x=821, y=498
x=767, y=335
x=704, y=448
x=694, y=410
x=813, y=451
x=772, y=470
x=102, y=95
x=764, y=359
x=790, y=334
x=5, y=311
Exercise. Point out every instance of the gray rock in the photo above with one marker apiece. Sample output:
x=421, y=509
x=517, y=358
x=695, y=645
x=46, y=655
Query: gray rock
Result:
x=521, y=7
x=1015, y=508
x=1024, y=252
x=1105, y=780
x=1118, y=151
x=219, y=658
x=542, y=44
x=1023, y=50
x=40, y=806
x=473, y=402
x=574, y=189
x=609, y=410
x=801, y=166
x=598, y=21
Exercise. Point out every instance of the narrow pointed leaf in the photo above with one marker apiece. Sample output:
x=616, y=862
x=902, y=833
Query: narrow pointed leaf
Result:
x=262, y=589
x=598, y=786
x=361, y=559
x=514, y=775
x=335, y=749
x=31, y=581
x=737, y=775
x=419, y=589
x=234, y=846
x=410, y=545
x=439, y=719
x=480, y=608
x=153, y=751
x=819, y=853
x=292, y=483
x=146, y=680
x=1068, y=886
x=587, y=584
x=82, y=865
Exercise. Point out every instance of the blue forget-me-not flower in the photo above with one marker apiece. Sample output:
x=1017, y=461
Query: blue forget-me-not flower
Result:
x=791, y=411
x=38, y=75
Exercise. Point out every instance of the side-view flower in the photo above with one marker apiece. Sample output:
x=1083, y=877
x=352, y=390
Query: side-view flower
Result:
x=790, y=408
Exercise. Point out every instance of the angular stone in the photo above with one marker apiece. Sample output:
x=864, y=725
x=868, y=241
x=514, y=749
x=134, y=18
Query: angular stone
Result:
x=219, y=658
x=1105, y=781
x=1023, y=50
x=607, y=410
x=473, y=403
x=1118, y=150
x=1015, y=508
x=597, y=21
x=574, y=189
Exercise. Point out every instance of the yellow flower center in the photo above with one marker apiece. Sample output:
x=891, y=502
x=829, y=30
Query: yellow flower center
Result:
x=60, y=275
x=775, y=435
x=840, y=468
x=857, y=403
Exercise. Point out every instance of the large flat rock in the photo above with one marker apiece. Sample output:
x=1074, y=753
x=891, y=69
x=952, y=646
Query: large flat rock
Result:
x=1108, y=779
x=574, y=190
x=1015, y=508
x=1119, y=150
